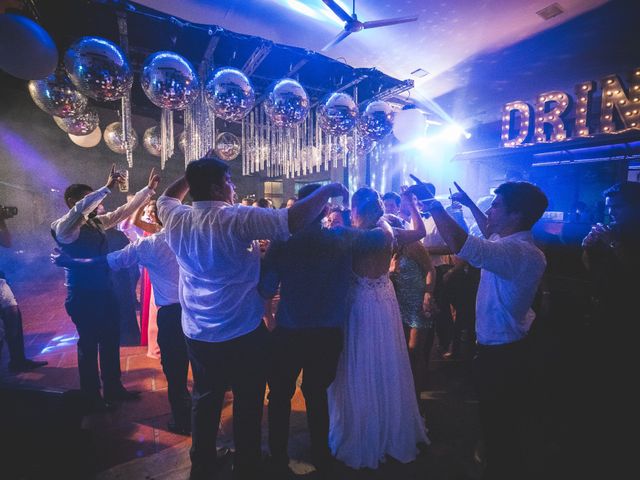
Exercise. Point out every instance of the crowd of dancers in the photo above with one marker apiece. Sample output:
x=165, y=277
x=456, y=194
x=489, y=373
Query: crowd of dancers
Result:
x=350, y=298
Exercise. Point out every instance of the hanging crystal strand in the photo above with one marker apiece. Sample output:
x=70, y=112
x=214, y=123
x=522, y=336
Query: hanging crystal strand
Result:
x=308, y=140
x=164, y=142
x=282, y=150
x=296, y=150
x=273, y=153
x=292, y=153
x=243, y=149
x=304, y=156
x=345, y=151
x=281, y=153
x=261, y=143
x=247, y=153
x=189, y=120
x=289, y=149
x=213, y=140
x=252, y=122
x=127, y=126
x=170, y=135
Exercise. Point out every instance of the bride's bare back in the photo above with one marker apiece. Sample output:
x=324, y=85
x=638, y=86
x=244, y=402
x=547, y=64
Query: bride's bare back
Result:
x=372, y=251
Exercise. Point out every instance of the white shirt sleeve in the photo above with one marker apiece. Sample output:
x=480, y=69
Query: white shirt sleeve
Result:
x=504, y=258
x=125, y=257
x=111, y=219
x=67, y=227
x=167, y=208
x=254, y=223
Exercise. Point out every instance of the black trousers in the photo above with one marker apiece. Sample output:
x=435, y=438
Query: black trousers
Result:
x=13, y=335
x=175, y=361
x=443, y=320
x=242, y=364
x=316, y=351
x=463, y=288
x=95, y=315
x=502, y=377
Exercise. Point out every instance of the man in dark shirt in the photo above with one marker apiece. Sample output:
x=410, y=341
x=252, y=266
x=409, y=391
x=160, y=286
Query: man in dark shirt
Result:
x=312, y=269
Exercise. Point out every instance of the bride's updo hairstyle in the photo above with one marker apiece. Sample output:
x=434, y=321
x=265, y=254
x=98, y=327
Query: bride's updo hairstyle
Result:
x=367, y=203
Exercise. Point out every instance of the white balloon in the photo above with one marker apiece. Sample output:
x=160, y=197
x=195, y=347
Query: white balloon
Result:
x=87, y=141
x=409, y=125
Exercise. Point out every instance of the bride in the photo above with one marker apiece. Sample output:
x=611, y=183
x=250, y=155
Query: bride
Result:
x=373, y=409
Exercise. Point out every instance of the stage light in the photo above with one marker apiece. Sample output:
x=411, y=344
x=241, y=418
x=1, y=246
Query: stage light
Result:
x=421, y=143
x=454, y=132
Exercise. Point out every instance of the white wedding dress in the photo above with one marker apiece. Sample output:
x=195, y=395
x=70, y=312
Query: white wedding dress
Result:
x=372, y=404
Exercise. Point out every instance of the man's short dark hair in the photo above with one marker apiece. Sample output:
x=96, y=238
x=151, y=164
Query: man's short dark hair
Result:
x=524, y=198
x=76, y=191
x=264, y=203
x=392, y=196
x=628, y=192
x=307, y=190
x=202, y=174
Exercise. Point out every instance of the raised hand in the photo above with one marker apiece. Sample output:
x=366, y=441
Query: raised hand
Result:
x=461, y=196
x=154, y=179
x=599, y=235
x=338, y=190
x=421, y=190
x=113, y=178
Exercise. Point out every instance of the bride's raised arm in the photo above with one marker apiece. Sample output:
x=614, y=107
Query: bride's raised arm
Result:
x=404, y=237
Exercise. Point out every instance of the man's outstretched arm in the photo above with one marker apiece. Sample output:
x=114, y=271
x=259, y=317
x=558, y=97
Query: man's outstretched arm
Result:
x=178, y=189
x=452, y=233
x=304, y=211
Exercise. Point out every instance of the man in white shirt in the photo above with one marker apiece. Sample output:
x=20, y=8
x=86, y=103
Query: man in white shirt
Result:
x=511, y=269
x=90, y=303
x=219, y=258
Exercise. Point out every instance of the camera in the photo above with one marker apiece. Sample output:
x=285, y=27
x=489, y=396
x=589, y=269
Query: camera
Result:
x=8, y=212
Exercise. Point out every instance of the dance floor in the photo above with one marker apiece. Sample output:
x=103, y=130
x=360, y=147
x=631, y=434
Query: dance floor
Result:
x=133, y=441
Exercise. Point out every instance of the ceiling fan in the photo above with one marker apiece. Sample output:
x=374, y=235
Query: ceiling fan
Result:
x=352, y=24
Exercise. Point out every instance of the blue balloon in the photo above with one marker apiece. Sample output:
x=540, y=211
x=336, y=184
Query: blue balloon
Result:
x=287, y=104
x=169, y=81
x=98, y=68
x=57, y=96
x=26, y=49
x=338, y=114
x=229, y=93
x=377, y=120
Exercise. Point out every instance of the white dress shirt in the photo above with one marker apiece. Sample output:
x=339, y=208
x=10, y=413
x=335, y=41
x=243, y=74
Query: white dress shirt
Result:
x=219, y=263
x=512, y=267
x=154, y=253
x=67, y=227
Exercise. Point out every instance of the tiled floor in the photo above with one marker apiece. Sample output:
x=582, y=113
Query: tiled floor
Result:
x=137, y=428
x=133, y=442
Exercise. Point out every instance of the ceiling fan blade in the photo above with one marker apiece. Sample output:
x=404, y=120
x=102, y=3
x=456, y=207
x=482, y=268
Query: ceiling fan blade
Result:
x=337, y=9
x=389, y=21
x=344, y=34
